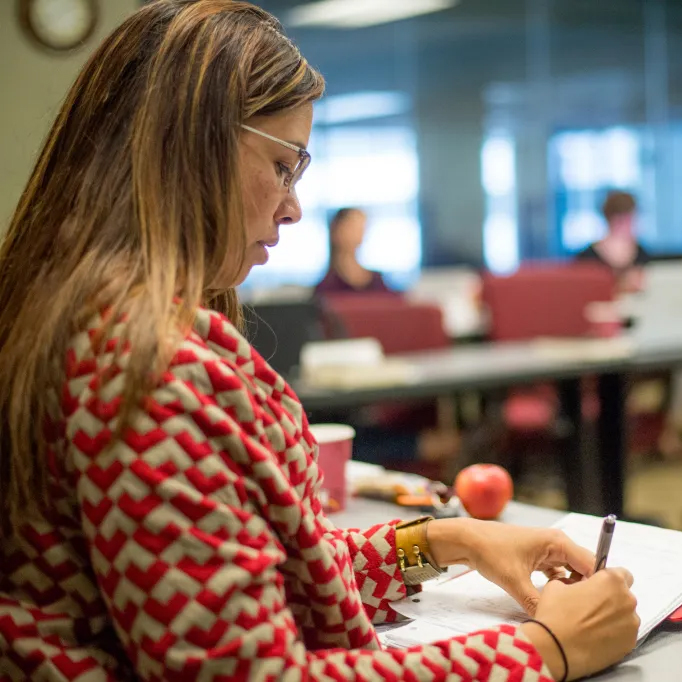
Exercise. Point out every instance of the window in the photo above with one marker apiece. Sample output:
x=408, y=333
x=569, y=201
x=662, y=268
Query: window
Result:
x=498, y=177
x=584, y=165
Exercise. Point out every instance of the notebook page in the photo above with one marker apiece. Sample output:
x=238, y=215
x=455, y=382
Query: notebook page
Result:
x=415, y=633
x=464, y=604
x=652, y=555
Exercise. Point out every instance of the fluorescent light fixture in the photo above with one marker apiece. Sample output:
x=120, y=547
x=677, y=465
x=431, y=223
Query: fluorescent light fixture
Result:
x=360, y=106
x=360, y=13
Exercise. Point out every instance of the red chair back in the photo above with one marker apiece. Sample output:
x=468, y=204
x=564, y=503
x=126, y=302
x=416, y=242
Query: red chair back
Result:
x=401, y=326
x=545, y=300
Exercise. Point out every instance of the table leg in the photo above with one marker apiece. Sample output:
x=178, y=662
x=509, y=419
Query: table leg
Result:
x=574, y=469
x=612, y=442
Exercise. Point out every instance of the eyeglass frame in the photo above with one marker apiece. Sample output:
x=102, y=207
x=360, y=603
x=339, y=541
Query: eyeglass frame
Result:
x=304, y=157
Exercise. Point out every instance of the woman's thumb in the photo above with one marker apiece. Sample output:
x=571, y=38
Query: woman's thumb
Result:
x=527, y=595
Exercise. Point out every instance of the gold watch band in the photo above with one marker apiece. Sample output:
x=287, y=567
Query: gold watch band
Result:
x=414, y=559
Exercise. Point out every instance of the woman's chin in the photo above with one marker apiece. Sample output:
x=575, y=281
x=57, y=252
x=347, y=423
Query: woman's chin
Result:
x=259, y=254
x=256, y=255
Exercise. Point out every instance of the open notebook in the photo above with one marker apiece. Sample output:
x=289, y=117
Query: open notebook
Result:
x=469, y=602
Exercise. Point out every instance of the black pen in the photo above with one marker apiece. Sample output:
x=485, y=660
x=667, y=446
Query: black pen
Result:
x=605, y=538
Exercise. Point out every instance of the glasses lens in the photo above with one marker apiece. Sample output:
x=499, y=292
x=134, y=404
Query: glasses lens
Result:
x=300, y=169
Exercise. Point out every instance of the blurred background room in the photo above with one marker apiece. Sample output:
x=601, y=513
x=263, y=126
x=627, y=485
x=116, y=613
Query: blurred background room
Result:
x=478, y=145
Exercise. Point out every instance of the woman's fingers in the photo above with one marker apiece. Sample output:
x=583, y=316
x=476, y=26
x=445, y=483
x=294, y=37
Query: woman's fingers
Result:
x=559, y=550
x=556, y=573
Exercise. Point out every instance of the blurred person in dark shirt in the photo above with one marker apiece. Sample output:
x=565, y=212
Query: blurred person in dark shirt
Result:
x=619, y=248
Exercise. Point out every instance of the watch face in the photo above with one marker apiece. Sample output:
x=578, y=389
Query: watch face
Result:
x=60, y=24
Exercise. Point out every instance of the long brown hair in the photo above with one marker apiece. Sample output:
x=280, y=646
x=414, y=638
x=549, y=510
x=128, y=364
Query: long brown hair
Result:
x=134, y=204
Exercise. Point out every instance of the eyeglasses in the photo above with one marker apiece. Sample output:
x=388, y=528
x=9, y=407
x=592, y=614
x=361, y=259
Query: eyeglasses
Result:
x=293, y=176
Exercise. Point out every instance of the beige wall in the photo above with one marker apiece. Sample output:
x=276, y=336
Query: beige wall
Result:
x=32, y=85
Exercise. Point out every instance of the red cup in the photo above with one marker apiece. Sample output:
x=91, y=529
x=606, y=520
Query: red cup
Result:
x=335, y=443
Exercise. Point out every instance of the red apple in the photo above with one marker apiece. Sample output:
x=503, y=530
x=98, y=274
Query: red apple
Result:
x=484, y=490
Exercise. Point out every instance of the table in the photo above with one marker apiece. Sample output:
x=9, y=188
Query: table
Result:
x=491, y=366
x=656, y=660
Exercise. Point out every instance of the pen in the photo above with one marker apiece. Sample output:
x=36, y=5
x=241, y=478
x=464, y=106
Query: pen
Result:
x=605, y=538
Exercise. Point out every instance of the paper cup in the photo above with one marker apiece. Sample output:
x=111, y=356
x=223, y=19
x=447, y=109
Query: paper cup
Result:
x=335, y=443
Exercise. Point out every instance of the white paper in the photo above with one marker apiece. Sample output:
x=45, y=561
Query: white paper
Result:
x=415, y=633
x=470, y=602
x=652, y=555
x=464, y=604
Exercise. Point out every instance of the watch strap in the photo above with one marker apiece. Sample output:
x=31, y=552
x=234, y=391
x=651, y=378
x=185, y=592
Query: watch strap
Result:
x=414, y=558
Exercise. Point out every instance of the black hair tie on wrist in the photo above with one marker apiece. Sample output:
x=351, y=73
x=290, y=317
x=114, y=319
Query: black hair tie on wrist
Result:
x=557, y=642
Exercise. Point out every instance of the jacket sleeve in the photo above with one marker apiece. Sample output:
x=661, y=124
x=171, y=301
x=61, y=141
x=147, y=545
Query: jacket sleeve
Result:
x=375, y=563
x=191, y=573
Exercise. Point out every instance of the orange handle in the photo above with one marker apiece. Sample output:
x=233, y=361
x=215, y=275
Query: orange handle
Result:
x=414, y=500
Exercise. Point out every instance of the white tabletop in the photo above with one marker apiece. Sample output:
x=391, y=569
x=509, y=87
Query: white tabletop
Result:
x=658, y=659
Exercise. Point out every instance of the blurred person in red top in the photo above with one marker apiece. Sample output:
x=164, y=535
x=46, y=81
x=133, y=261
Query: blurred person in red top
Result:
x=345, y=274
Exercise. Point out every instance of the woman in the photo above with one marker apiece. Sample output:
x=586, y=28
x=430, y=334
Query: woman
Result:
x=158, y=481
x=345, y=274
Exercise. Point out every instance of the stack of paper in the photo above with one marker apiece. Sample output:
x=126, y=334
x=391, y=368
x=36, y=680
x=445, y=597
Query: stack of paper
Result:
x=469, y=602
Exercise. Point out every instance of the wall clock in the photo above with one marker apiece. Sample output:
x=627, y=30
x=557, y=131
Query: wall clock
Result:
x=59, y=25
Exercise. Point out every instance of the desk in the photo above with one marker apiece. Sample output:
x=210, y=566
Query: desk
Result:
x=657, y=660
x=478, y=367
x=503, y=365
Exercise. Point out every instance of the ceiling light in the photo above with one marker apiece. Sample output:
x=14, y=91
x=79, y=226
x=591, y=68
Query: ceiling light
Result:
x=360, y=106
x=360, y=13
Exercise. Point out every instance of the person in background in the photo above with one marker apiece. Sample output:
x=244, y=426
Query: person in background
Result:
x=393, y=447
x=159, y=483
x=619, y=249
x=345, y=274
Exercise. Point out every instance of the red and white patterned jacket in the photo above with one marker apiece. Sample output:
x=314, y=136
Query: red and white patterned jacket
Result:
x=195, y=548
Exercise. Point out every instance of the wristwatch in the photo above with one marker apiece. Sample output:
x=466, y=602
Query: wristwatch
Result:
x=414, y=559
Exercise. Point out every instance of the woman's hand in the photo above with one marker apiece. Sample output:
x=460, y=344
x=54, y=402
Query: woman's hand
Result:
x=594, y=619
x=508, y=555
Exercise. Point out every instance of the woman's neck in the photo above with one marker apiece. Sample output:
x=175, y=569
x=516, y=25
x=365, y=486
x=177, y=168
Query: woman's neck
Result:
x=347, y=266
x=619, y=250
